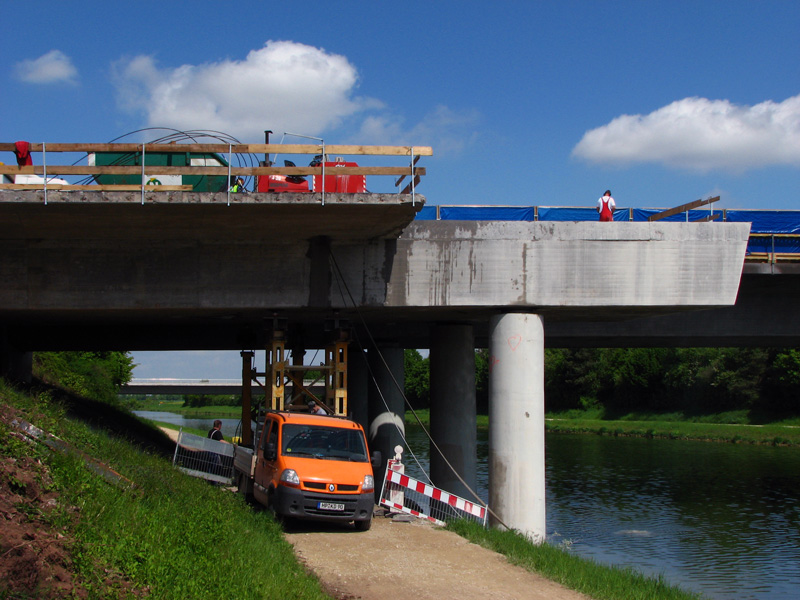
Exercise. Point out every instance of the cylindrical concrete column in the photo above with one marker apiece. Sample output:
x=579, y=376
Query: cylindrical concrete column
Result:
x=386, y=405
x=453, y=420
x=357, y=386
x=516, y=423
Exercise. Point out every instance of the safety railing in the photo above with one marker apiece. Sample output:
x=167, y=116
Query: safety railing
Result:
x=204, y=458
x=221, y=166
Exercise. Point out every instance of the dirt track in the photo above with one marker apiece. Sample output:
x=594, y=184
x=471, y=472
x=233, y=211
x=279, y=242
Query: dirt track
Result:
x=414, y=561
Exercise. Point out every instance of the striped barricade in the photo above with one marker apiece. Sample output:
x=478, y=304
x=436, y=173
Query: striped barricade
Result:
x=425, y=501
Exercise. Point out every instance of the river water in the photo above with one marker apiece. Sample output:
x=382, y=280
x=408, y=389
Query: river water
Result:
x=719, y=519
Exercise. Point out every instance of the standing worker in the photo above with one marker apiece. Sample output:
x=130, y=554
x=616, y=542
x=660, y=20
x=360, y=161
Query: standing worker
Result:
x=215, y=433
x=605, y=206
x=238, y=185
x=314, y=409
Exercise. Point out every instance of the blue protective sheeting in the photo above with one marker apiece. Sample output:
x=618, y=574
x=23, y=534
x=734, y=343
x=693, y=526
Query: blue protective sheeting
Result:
x=486, y=213
x=769, y=243
x=426, y=213
x=767, y=221
x=553, y=213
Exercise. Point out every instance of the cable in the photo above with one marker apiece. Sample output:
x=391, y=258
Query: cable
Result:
x=340, y=278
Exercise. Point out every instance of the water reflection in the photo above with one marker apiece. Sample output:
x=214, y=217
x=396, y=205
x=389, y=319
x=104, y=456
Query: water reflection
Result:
x=229, y=426
x=720, y=519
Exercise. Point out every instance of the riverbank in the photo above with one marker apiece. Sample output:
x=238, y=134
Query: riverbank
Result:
x=731, y=427
x=156, y=532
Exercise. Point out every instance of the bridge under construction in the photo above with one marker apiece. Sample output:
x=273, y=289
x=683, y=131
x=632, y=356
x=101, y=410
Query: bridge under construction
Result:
x=356, y=273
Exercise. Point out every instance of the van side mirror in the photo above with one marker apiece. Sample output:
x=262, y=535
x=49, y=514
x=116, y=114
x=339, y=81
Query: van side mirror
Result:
x=376, y=459
x=270, y=452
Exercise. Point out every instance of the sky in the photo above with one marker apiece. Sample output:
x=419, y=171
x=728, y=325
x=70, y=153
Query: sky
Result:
x=523, y=102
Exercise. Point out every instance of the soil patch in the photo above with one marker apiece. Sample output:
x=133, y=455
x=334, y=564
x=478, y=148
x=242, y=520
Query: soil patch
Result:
x=35, y=559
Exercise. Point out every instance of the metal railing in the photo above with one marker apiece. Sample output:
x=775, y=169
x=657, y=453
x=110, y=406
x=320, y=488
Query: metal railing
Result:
x=141, y=152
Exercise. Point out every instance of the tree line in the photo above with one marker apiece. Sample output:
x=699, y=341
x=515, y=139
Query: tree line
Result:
x=622, y=380
x=614, y=380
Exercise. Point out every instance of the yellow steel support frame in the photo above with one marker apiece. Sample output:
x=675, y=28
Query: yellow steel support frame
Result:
x=276, y=370
x=336, y=380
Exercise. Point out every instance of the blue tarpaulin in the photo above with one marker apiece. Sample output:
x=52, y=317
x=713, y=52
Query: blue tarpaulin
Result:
x=486, y=213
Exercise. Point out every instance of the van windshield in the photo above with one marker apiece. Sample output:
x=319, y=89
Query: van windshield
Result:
x=327, y=443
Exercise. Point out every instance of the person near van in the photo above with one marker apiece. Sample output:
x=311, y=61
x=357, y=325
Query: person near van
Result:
x=605, y=206
x=314, y=409
x=215, y=433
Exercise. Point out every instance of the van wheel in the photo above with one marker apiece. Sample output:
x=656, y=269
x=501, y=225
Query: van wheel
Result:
x=363, y=525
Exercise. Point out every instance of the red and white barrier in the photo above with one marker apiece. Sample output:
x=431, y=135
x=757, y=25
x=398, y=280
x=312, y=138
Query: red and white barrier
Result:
x=395, y=482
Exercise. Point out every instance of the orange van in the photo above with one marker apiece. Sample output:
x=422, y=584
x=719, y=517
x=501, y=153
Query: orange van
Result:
x=313, y=467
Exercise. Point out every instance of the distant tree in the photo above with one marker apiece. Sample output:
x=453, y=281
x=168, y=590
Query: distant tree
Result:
x=782, y=382
x=417, y=379
x=199, y=400
x=482, y=381
x=96, y=375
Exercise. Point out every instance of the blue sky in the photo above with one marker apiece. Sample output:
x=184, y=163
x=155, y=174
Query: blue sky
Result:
x=523, y=103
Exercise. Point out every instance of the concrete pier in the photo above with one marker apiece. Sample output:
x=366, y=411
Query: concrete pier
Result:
x=516, y=423
x=453, y=420
x=386, y=404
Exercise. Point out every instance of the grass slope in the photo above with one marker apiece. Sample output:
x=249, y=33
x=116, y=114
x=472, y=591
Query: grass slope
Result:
x=165, y=534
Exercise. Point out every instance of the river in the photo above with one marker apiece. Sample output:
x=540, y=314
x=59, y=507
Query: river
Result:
x=719, y=519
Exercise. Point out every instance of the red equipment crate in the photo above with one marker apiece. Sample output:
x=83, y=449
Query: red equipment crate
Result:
x=342, y=184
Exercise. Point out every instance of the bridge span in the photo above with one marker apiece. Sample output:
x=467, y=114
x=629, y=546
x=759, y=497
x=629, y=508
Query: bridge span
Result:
x=177, y=270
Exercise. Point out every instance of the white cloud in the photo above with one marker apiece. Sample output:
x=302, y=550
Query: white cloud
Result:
x=53, y=67
x=701, y=135
x=448, y=131
x=284, y=86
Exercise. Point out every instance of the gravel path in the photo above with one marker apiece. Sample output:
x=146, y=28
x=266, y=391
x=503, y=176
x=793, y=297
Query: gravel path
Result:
x=413, y=561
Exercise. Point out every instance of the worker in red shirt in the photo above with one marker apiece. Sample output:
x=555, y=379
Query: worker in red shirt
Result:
x=605, y=206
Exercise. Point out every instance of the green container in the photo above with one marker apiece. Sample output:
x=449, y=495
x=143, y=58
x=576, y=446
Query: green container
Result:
x=199, y=183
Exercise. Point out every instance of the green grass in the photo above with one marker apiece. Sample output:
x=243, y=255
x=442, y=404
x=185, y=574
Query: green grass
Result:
x=559, y=565
x=170, y=536
x=726, y=427
x=177, y=407
x=733, y=427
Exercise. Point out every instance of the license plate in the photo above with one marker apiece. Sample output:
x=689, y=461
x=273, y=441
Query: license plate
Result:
x=330, y=506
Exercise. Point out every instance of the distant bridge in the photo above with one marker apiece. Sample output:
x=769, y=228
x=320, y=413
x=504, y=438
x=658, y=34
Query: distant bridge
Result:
x=208, y=387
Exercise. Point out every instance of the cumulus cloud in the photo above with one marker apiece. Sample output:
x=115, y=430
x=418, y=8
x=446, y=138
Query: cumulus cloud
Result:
x=284, y=86
x=448, y=131
x=701, y=135
x=53, y=67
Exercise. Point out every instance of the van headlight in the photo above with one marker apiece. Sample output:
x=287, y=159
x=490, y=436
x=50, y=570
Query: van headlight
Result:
x=368, y=484
x=289, y=477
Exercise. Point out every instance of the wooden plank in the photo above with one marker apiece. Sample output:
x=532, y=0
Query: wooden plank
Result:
x=413, y=164
x=713, y=217
x=58, y=170
x=96, y=188
x=681, y=208
x=234, y=148
x=407, y=189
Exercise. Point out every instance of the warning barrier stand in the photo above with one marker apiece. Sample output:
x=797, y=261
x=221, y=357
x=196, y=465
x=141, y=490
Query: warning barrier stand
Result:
x=401, y=493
